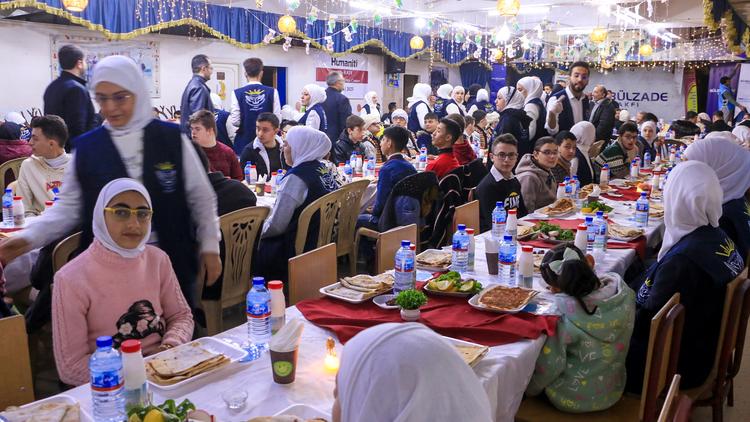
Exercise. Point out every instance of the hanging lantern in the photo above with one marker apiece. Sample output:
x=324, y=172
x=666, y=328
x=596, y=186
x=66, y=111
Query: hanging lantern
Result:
x=645, y=50
x=508, y=7
x=416, y=43
x=498, y=55
x=287, y=24
x=598, y=35
x=75, y=5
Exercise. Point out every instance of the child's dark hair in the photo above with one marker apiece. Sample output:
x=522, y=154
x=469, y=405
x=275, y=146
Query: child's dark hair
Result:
x=576, y=278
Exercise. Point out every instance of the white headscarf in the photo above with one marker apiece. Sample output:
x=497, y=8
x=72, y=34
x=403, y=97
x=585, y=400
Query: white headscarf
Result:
x=216, y=101
x=624, y=115
x=109, y=191
x=400, y=112
x=652, y=125
x=513, y=98
x=457, y=88
x=307, y=144
x=421, y=92
x=124, y=72
x=406, y=372
x=742, y=135
x=704, y=116
x=483, y=95
x=730, y=161
x=15, y=117
x=533, y=87
x=317, y=94
x=585, y=134
x=369, y=100
x=287, y=112
x=445, y=91
x=692, y=199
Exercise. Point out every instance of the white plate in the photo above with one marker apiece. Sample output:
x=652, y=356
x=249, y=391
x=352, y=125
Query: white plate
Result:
x=429, y=268
x=382, y=299
x=60, y=398
x=305, y=412
x=474, y=303
x=213, y=345
x=324, y=291
x=468, y=343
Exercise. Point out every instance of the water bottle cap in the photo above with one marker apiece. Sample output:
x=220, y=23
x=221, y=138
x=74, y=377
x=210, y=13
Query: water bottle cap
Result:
x=527, y=249
x=600, y=213
x=252, y=166
x=508, y=238
x=582, y=226
x=104, y=341
x=405, y=243
x=575, y=177
x=413, y=247
x=341, y=164
x=499, y=204
x=561, y=184
x=643, y=194
x=18, y=198
x=280, y=171
x=462, y=227
x=259, y=281
x=48, y=203
x=130, y=346
x=606, y=166
x=567, y=178
x=589, y=219
x=275, y=285
x=512, y=212
x=8, y=190
x=469, y=231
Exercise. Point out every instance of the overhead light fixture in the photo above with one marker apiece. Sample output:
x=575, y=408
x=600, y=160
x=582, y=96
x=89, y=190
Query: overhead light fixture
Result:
x=508, y=8
x=416, y=42
x=420, y=23
x=75, y=5
x=503, y=35
x=598, y=35
x=465, y=26
x=575, y=31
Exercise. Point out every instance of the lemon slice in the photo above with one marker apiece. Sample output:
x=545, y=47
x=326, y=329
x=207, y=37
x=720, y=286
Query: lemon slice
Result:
x=444, y=285
x=466, y=287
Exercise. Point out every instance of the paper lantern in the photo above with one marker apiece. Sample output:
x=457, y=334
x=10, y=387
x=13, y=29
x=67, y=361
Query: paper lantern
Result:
x=498, y=55
x=287, y=24
x=75, y=5
x=598, y=35
x=416, y=42
x=645, y=50
x=508, y=7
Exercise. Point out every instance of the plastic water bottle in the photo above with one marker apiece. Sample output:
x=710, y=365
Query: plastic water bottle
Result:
x=498, y=220
x=646, y=160
x=353, y=160
x=577, y=192
x=590, y=234
x=526, y=267
x=472, y=247
x=561, y=187
x=604, y=176
x=422, y=159
x=258, y=318
x=460, y=258
x=511, y=225
x=641, y=211
x=8, y=208
x=507, y=261
x=358, y=164
x=278, y=305
x=107, y=382
x=275, y=181
x=600, y=236
x=348, y=172
x=634, y=170
x=371, y=167
x=404, y=268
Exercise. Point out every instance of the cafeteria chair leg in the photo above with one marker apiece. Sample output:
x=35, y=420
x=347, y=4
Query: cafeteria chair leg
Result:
x=730, y=398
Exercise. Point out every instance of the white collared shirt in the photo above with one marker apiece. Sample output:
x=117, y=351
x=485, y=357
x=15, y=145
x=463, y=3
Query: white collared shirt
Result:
x=499, y=176
x=576, y=105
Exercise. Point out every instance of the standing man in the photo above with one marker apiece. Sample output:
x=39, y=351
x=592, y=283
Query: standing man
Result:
x=68, y=97
x=251, y=100
x=546, y=92
x=336, y=107
x=727, y=102
x=197, y=95
x=569, y=106
x=603, y=113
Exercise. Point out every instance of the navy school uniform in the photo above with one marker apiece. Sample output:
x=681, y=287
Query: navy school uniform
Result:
x=253, y=99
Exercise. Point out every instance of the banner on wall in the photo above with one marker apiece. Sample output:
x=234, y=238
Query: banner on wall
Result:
x=690, y=88
x=743, y=87
x=654, y=91
x=715, y=74
x=497, y=81
x=352, y=66
x=144, y=53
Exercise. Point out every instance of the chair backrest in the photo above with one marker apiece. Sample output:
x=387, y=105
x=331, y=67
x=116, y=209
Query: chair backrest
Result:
x=351, y=197
x=677, y=407
x=474, y=172
x=388, y=243
x=240, y=230
x=663, y=352
x=739, y=343
x=15, y=365
x=596, y=148
x=450, y=190
x=327, y=208
x=14, y=166
x=423, y=187
x=64, y=251
x=467, y=214
x=310, y=271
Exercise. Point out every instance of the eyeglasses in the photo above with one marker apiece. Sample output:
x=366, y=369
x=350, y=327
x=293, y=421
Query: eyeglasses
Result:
x=503, y=156
x=548, y=152
x=628, y=136
x=118, y=99
x=143, y=215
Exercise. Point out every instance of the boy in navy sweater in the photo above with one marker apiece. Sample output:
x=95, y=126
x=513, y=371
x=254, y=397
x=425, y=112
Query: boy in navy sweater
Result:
x=394, y=169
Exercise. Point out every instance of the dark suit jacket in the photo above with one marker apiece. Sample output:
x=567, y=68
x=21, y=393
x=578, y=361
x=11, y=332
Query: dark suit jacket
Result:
x=337, y=109
x=565, y=119
x=68, y=98
x=603, y=119
x=197, y=96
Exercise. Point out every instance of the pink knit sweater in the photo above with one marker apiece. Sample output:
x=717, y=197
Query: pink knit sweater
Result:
x=100, y=293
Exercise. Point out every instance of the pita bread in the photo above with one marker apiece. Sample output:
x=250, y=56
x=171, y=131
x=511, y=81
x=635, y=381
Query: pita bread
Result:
x=46, y=412
x=182, y=360
x=561, y=206
x=623, y=232
x=367, y=283
x=471, y=354
x=434, y=258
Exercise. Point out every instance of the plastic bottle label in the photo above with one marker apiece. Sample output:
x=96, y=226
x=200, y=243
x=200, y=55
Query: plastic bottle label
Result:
x=460, y=246
x=105, y=381
x=258, y=310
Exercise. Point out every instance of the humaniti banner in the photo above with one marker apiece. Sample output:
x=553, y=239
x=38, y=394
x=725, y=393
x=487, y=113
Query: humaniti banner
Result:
x=352, y=66
x=656, y=91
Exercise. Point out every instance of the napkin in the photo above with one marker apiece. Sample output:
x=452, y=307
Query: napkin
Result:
x=287, y=339
x=596, y=191
x=490, y=245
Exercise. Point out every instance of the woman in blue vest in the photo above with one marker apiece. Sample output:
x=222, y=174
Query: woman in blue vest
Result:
x=419, y=106
x=456, y=104
x=513, y=119
x=697, y=260
x=482, y=103
x=371, y=105
x=313, y=97
x=532, y=88
x=307, y=180
x=442, y=100
x=133, y=144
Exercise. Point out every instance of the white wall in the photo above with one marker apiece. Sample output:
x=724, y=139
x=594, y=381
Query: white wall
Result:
x=26, y=47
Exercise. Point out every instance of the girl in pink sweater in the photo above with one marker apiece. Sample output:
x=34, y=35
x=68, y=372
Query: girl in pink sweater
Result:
x=118, y=287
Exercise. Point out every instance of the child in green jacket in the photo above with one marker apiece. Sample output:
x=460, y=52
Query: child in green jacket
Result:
x=582, y=367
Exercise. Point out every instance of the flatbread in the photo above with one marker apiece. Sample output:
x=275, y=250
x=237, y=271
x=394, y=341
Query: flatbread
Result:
x=434, y=258
x=368, y=283
x=561, y=206
x=182, y=360
x=506, y=298
x=46, y=412
x=524, y=231
x=471, y=354
x=348, y=293
x=623, y=232
x=159, y=379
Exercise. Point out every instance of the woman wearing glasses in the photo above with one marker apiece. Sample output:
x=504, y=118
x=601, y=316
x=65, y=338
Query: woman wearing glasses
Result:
x=133, y=144
x=500, y=185
x=118, y=287
x=538, y=185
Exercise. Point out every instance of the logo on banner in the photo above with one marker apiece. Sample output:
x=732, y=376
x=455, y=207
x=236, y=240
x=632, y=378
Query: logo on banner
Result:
x=255, y=98
x=634, y=99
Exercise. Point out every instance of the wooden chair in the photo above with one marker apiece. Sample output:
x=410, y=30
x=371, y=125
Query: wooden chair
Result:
x=15, y=365
x=240, y=230
x=677, y=407
x=349, y=208
x=64, y=250
x=661, y=365
x=717, y=385
x=310, y=271
x=467, y=214
x=14, y=166
x=386, y=244
x=327, y=208
x=596, y=149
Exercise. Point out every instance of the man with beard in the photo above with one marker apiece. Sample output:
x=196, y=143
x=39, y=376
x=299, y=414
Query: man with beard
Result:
x=569, y=106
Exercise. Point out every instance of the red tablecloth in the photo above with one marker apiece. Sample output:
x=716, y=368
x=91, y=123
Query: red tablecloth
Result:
x=628, y=194
x=638, y=244
x=449, y=316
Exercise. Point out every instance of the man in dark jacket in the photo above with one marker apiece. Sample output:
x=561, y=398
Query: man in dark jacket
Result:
x=602, y=113
x=67, y=95
x=336, y=106
x=11, y=146
x=570, y=105
x=350, y=139
x=197, y=95
x=265, y=153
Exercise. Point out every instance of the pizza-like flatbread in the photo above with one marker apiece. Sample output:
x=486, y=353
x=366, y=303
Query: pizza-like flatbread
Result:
x=561, y=206
x=182, y=360
x=506, y=298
